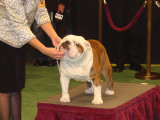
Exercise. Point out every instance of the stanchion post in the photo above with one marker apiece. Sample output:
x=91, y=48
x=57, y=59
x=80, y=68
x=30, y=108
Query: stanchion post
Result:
x=149, y=28
x=100, y=21
x=148, y=75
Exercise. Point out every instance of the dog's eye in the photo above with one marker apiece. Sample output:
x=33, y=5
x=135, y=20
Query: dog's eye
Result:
x=75, y=43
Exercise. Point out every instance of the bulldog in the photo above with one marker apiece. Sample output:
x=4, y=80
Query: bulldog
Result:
x=84, y=60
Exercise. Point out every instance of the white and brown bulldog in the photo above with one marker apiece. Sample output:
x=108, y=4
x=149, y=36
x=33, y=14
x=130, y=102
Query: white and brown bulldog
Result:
x=84, y=60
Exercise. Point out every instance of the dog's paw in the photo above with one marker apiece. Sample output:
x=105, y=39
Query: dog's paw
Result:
x=109, y=92
x=97, y=101
x=65, y=98
x=89, y=91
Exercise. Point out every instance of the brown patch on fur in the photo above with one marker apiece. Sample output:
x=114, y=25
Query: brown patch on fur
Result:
x=80, y=48
x=100, y=63
x=65, y=45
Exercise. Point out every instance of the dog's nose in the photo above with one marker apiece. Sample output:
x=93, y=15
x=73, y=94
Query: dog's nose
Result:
x=66, y=44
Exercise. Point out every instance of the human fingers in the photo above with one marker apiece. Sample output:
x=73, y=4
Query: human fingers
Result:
x=58, y=57
x=57, y=54
x=55, y=44
x=54, y=53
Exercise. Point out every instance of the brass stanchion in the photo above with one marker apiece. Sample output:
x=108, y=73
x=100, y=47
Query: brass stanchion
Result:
x=100, y=21
x=148, y=75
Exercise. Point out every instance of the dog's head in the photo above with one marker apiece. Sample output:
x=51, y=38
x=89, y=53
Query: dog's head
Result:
x=74, y=46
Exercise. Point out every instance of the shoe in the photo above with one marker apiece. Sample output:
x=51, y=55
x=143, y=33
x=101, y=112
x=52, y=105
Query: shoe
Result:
x=119, y=68
x=40, y=63
x=51, y=63
x=89, y=91
x=137, y=67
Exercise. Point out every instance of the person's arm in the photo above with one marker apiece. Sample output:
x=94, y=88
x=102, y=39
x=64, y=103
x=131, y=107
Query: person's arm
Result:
x=18, y=24
x=51, y=52
x=49, y=30
x=43, y=20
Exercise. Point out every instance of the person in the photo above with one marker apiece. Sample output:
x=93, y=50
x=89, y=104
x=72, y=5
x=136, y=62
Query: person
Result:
x=126, y=44
x=60, y=26
x=16, y=17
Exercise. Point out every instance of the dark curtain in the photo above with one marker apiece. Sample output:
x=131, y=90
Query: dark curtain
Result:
x=85, y=23
x=85, y=18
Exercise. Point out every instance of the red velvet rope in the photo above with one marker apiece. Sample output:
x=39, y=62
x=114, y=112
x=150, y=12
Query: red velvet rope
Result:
x=133, y=21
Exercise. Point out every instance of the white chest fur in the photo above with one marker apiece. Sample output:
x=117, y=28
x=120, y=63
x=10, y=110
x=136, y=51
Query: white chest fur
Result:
x=78, y=69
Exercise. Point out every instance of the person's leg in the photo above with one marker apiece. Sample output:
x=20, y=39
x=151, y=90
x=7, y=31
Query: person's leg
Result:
x=4, y=106
x=135, y=32
x=117, y=9
x=16, y=105
x=12, y=72
x=134, y=35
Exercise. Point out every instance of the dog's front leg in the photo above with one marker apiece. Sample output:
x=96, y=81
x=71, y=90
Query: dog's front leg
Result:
x=64, y=86
x=97, y=95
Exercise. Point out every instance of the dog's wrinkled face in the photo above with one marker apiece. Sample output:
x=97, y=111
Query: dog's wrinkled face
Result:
x=73, y=46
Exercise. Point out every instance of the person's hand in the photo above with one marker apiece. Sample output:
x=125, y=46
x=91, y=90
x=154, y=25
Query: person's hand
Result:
x=53, y=53
x=56, y=41
x=61, y=8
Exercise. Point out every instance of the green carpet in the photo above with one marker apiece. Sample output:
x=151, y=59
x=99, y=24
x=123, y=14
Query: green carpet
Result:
x=43, y=82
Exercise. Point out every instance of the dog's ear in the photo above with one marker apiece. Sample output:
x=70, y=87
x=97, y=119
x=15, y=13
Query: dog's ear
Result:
x=87, y=45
